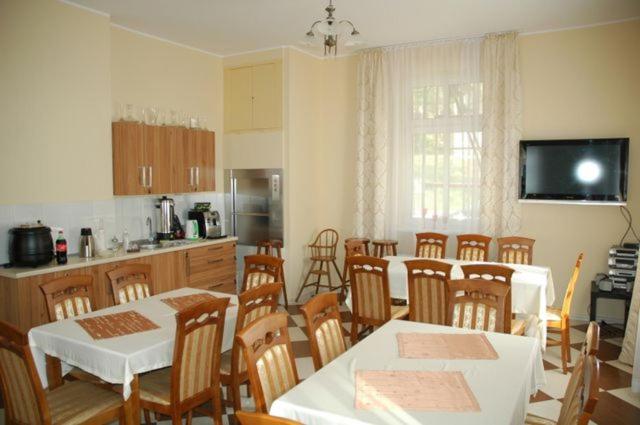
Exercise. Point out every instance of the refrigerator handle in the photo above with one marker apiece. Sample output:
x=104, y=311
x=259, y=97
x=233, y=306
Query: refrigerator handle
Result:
x=234, y=194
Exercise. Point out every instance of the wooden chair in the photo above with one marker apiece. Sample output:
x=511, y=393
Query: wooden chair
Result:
x=68, y=296
x=558, y=318
x=261, y=269
x=515, y=250
x=431, y=245
x=428, y=295
x=323, y=255
x=273, y=247
x=26, y=402
x=352, y=246
x=194, y=378
x=371, y=301
x=497, y=273
x=131, y=283
x=324, y=326
x=478, y=304
x=364, y=241
x=385, y=247
x=267, y=350
x=252, y=305
x=473, y=247
x=246, y=418
x=581, y=395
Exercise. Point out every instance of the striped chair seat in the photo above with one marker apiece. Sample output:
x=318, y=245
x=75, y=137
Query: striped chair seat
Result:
x=538, y=420
x=399, y=311
x=156, y=386
x=77, y=402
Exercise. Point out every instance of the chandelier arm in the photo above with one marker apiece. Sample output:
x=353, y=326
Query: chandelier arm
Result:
x=346, y=21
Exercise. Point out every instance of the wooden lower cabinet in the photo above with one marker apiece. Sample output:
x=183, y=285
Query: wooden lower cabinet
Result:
x=211, y=267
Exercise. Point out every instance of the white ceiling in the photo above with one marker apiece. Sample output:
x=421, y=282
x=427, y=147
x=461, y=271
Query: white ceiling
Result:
x=226, y=27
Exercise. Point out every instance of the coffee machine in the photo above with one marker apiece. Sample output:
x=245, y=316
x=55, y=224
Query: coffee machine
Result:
x=209, y=226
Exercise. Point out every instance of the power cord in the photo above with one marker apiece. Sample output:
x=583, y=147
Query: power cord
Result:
x=626, y=214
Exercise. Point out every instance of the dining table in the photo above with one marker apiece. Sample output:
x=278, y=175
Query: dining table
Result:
x=58, y=346
x=358, y=386
x=532, y=289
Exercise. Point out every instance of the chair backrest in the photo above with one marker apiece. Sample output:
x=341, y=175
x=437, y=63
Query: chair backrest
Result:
x=246, y=418
x=24, y=398
x=354, y=247
x=253, y=304
x=428, y=295
x=473, y=247
x=478, y=304
x=371, y=301
x=261, y=269
x=325, y=244
x=494, y=273
x=267, y=350
x=568, y=295
x=196, y=356
x=592, y=340
x=324, y=326
x=68, y=296
x=364, y=241
x=431, y=245
x=515, y=250
x=581, y=395
x=131, y=283
x=271, y=247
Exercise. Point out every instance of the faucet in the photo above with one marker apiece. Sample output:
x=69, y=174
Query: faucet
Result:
x=152, y=236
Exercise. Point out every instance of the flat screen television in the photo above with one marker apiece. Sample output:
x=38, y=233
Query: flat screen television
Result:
x=585, y=170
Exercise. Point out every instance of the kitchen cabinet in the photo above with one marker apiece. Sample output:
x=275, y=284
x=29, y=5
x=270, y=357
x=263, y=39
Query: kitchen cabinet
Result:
x=129, y=165
x=253, y=97
x=211, y=267
x=198, y=162
x=151, y=159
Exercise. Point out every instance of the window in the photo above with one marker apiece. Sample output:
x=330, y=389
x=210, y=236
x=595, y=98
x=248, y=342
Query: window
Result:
x=446, y=149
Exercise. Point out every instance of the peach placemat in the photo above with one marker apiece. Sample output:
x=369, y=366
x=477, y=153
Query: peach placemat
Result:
x=116, y=324
x=414, y=390
x=182, y=302
x=445, y=346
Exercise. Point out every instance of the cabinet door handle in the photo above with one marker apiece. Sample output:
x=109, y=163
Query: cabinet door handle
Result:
x=150, y=176
x=215, y=248
x=190, y=176
x=219, y=260
x=197, y=176
x=142, y=172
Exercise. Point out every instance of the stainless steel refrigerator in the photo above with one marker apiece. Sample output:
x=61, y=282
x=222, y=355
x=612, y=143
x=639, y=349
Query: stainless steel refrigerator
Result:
x=253, y=208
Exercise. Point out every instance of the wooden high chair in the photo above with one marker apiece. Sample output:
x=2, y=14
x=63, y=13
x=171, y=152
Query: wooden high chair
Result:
x=323, y=255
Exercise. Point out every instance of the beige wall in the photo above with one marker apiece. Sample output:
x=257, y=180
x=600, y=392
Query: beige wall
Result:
x=581, y=83
x=149, y=72
x=54, y=107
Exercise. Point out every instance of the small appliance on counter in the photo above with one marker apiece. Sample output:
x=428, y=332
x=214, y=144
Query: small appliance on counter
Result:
x=164, y=218
x=86, y=249
x=209, y=226
x=31, y=245
x=192, y=232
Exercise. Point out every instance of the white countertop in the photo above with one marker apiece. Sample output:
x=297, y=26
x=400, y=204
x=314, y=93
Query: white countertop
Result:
x=75, y=262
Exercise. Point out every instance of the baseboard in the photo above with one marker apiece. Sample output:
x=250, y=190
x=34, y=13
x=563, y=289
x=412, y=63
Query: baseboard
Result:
x=608, y=319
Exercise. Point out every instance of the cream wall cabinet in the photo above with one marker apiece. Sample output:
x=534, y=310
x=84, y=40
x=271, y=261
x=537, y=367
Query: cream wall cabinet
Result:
x=253, y=97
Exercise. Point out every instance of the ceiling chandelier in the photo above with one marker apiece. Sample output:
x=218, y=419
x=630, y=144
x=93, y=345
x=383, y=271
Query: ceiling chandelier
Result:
x=329, y=29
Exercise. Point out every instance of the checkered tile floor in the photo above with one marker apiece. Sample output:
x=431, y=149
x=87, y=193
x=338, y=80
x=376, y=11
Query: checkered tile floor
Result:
x=617, y=404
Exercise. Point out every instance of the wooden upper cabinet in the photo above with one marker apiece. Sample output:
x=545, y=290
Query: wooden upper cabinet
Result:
x=253, y=97
x=162, y=159
x=129, y=168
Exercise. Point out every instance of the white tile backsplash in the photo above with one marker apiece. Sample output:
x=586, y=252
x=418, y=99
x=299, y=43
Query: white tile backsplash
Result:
x=115, y=215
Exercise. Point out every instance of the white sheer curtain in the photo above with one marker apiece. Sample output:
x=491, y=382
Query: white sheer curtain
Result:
x=420, y=139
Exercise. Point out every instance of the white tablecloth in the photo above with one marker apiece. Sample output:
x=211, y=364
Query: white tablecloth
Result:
x=502, y=387
x=117, y=360
x=531, y=289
